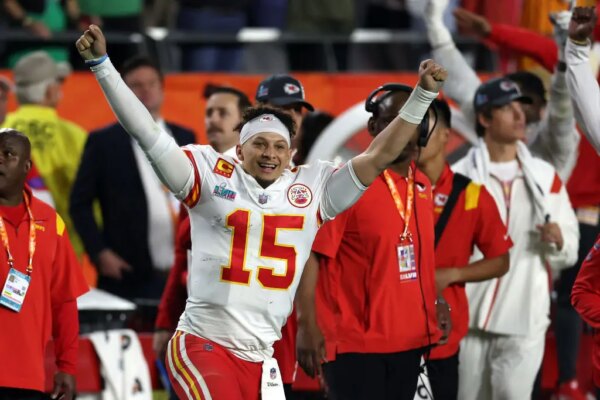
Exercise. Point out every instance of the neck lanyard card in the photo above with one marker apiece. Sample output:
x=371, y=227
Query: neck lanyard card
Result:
x=407, y=266
x=17, y=283
x=15, y=288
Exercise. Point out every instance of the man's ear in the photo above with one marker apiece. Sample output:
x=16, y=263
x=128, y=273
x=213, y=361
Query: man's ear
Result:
x=238, y=152
x=483, y=120
x=371, y=127
x=28, y=165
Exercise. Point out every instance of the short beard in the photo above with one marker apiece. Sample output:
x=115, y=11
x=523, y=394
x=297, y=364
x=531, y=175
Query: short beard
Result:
x=264, y=183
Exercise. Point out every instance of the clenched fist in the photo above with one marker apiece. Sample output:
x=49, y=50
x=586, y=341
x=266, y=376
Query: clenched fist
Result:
x=582, y=23
x=92, y=44
x=432, y=76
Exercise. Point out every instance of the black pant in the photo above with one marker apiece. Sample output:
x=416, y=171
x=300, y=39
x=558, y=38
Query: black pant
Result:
x=357, y=376
x=21, y=394
x=443, y=377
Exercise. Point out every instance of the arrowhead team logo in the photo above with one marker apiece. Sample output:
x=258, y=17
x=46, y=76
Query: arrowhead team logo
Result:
x=299, y=195
x=440, y=200
x=290, y=88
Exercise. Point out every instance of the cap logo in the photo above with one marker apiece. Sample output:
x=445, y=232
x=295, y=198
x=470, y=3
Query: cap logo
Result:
x=507, y=86
x=481, y=98
x=290, y=88
x=263, y=91
x=266, y=118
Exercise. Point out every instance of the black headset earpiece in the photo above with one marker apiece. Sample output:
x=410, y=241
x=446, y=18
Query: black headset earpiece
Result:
x=378, y=94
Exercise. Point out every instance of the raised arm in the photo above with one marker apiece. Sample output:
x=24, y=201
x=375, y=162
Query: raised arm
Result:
x=345, y=186
x=386, y=146
x=581, y=81
x=169, y=161
x=463, y=81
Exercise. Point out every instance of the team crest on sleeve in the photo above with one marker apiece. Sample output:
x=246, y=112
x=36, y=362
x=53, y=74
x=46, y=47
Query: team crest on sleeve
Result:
x=299, y=195
x=273, y=373
x=223, y=168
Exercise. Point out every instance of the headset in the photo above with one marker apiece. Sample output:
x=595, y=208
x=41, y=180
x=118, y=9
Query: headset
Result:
x=379, y=94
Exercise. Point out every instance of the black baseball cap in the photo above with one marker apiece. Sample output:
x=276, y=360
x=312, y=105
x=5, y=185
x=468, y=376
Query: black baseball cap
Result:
x=282, y=90
x=498, y=92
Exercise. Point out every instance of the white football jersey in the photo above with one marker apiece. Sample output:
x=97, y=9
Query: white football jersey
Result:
x=249, y=247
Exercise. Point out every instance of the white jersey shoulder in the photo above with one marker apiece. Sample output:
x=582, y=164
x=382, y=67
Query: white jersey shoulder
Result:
x=249, y=247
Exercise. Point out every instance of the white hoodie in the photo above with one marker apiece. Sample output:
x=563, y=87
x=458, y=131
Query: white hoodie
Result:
x=518, y=303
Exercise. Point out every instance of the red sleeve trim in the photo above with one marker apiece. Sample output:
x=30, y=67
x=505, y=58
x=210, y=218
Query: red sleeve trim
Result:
x=194, y=195
x=556, y=184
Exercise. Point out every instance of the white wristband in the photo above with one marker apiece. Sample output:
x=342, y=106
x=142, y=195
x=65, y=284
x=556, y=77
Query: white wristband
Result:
x=417, y=105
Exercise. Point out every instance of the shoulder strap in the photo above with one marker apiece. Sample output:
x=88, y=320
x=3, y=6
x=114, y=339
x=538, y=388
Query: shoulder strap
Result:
x=459, y=183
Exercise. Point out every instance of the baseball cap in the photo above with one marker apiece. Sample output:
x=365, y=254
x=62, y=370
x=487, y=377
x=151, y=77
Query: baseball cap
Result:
x=35, y=67
x=282, y=90
x=498, y=92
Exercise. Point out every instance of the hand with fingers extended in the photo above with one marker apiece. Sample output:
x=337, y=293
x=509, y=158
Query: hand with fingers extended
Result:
x=92, y=44
x=582, y=24
x=310, y=348
x=470, y=23
x=431, y=76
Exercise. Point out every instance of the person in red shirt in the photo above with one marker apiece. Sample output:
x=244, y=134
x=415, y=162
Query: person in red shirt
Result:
x=466, y=210
x=585, y=297
x=384, y=274
x=41, y=282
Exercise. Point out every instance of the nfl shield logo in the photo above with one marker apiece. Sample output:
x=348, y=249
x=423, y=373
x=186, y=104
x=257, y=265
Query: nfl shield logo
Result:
x=263, y=198
x=273, y=373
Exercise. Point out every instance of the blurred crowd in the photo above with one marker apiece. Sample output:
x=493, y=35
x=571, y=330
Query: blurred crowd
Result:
x=313, y=19
x=124, y=224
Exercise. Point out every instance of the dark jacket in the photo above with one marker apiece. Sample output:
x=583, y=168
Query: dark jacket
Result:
x=108, y=173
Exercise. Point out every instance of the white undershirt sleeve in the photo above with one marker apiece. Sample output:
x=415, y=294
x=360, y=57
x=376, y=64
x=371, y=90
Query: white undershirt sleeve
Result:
x=584, y=90
x=342, y=190
x=169, y=161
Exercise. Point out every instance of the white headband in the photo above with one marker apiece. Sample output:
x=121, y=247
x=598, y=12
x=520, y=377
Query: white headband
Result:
x=266, y=123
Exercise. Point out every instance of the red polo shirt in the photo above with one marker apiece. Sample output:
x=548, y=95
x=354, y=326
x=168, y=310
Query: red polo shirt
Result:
x=476, y=221
x=56, y=281
x=585, y=297
x=376, y=311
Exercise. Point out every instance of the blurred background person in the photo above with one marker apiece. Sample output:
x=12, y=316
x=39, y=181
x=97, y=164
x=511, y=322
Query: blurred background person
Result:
x=56, y=143
x=5, y=89
x=42, y=18
x=133, y=247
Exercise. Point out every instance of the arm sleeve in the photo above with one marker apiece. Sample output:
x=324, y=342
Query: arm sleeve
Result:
x=342, y=190
x=585, y=295
x=584, y=90
x=83, y=194
x=491, y=235
x=172, y=302
x=329, y=237
x=569, y=226
x=68, y=283
x=558, y=139
x=525, y=42
x=170, y=163
x=65, y=331
x=462, y=82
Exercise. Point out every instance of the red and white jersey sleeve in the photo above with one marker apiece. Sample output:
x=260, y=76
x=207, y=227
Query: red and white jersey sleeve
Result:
x=249, y=246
